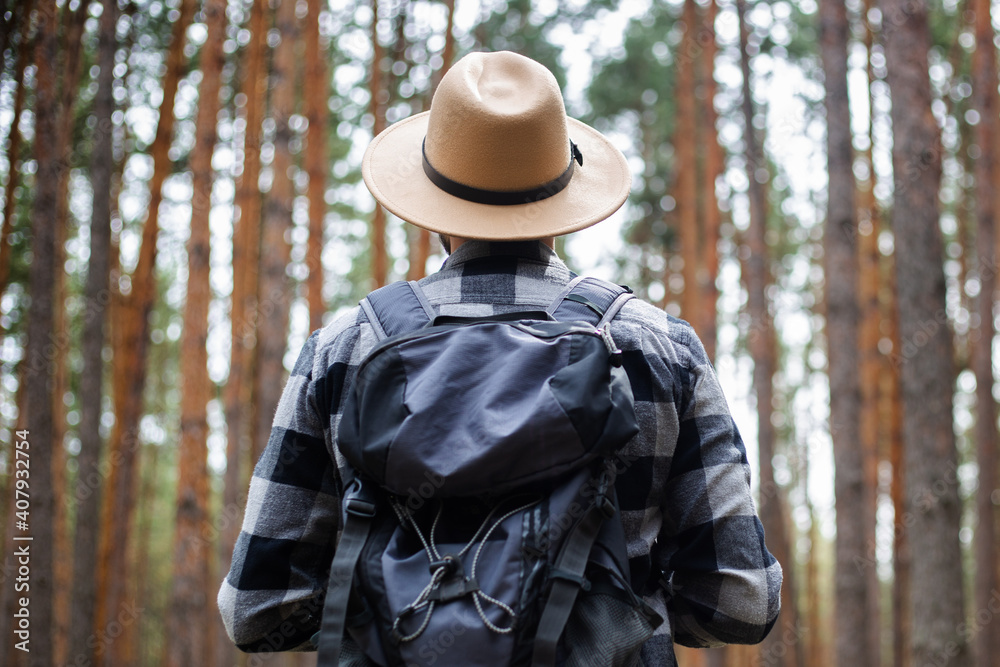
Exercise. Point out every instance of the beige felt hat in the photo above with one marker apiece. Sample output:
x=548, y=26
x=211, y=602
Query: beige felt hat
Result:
x=496, y=157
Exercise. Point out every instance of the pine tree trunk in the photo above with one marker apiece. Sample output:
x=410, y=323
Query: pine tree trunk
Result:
x=926, y=358
x=686, y=169
x=841, y=285
x=144, y=524
x=188, y=613
x=14, y=145
x=892, y=416
x=712, y=168
x=449, y=38
x=421, y=250
x=98, y=296
x=448, y=53
x=238, y=392
x=379, y=97
x=870, y=313
x=888, y=416
x=38, y=353
x=762, y=345
x=132, y=343
x=987, y=174
x=63, y=563
x=814, y=624
x=275, y=290
x=62, y=557
x=316, y=95
x=246, y=253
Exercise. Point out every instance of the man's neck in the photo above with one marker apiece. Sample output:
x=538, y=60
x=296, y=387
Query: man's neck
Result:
x=451, y=243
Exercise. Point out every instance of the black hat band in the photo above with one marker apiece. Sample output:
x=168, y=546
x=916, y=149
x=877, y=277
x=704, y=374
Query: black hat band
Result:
x=502, y=197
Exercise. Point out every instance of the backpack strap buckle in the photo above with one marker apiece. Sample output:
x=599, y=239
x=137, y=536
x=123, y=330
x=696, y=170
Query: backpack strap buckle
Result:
x=359, y=509
x=359, y=501
x=565, y=575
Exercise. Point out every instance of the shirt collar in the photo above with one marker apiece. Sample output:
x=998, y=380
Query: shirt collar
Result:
x=476, y=249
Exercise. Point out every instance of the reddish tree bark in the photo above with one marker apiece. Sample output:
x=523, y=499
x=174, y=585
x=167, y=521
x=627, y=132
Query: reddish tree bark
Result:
x=275, y=291
x=246, y=253
x=316, y=95
x=879, y=317
x=987, y=174
x=712, y=168
x=379, y=97
x=238, y=392
x=762, y=345
x=129, y=380
x=421, y=238
x=686, y=165
x=870, y=282
x=189, y=609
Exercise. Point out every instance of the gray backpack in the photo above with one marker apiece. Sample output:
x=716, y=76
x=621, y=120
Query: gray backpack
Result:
x=480, y=522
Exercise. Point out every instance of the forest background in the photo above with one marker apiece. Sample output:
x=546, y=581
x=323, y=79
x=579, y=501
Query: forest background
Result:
x=815, y=189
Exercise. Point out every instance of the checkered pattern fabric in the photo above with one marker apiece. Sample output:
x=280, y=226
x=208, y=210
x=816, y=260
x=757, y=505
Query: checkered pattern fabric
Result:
x=696, y=547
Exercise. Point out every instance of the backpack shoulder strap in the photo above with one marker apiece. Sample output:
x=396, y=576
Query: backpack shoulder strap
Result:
x=397, y=308
x=359, y=507
x=590, y=300
x=568, y=572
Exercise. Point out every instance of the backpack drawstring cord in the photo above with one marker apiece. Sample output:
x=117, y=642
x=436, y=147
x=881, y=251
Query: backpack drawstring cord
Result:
x=441, y=567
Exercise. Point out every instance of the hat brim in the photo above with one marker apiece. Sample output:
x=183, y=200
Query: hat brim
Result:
x=393, y=171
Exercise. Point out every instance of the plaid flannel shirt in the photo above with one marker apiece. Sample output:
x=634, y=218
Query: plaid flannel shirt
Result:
x=695, y=545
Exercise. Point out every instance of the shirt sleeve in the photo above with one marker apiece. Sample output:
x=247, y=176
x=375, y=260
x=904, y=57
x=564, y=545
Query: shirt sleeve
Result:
x=722, y=583
x=271, y=600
